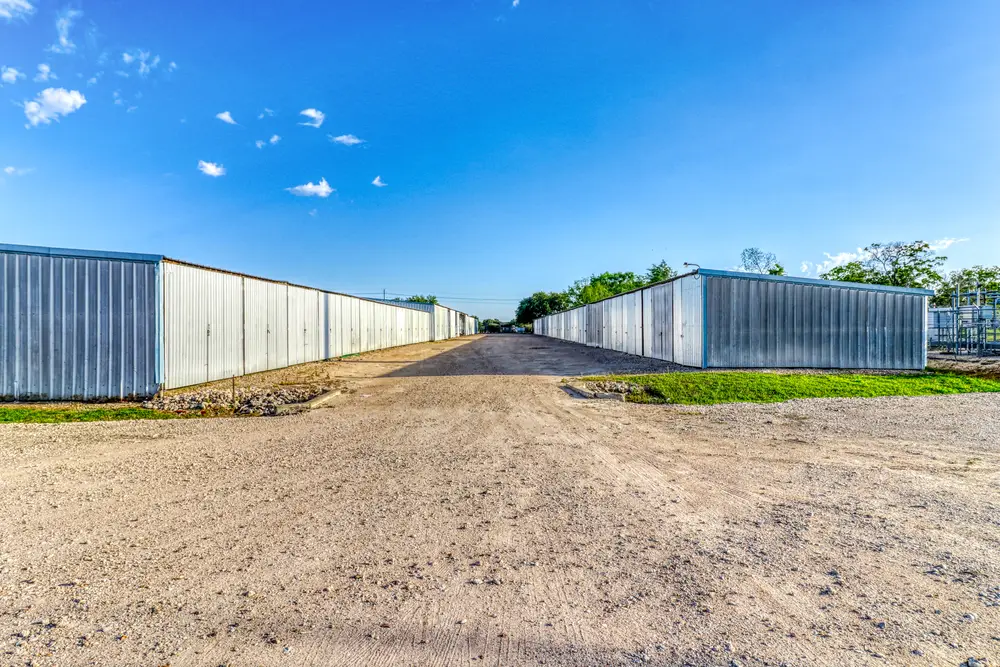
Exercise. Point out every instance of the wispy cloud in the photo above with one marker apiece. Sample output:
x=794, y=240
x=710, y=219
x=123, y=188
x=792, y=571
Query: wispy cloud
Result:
x=516, y=3
x=260, y=143
x=945, y=243
x=45, y=73
x=10, y=75
x=317, y=117
x=310, y=189
x=172, y=66
x=379, y=183
x=15, y=9
x=226, y=117
x=347, y=140
x=52, y=103
x=265, y=112
x=313, y=213
x=17, y=171
x=834, y=260
x=144, y=61
x=211, y=168
x=64, y=23
x=93, y=80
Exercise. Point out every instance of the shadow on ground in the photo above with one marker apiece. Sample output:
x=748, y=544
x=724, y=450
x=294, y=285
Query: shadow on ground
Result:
x=521, y=354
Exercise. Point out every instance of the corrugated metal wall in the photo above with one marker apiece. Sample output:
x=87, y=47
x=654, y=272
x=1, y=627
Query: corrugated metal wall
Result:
x=640, y=322
x=76, y=328
x=219, y=324
x=755, y=322
x=762, y=323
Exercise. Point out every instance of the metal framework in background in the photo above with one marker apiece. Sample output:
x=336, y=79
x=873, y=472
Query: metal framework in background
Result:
x=970, y=326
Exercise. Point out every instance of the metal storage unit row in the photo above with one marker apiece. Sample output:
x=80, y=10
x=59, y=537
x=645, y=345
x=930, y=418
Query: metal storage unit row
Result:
x=88, y=325
x=727, y=319
x=77, y=327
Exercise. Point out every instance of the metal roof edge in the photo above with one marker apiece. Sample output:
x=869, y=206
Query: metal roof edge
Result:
x=83, y=254
x=817, y=282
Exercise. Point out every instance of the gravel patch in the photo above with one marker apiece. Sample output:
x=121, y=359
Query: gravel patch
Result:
x=248, y=400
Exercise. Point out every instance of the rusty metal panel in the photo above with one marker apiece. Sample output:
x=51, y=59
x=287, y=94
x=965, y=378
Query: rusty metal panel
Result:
x=77, y=327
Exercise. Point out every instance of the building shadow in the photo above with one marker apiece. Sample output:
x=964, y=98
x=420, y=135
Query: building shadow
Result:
x=525, y=354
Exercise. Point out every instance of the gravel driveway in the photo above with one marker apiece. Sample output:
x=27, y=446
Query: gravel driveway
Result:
x=459, y=508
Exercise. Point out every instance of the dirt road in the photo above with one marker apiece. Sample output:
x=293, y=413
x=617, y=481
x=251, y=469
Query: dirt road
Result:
x=459, y=508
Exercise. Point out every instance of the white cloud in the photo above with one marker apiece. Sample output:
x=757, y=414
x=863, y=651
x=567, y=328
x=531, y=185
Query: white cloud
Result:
x=172, y=66
x=211, y=168
x=313, y=213
x=265, y=112
x=317, y=117
x=834, y=260
x=274, y=139
x=15, y=9
x=17, y=171
x=131, y=109
x=52, y=103
x=92, y=80
x=145, y=64
x=945, y=243
x=226, y=117
x=347, y=140
x=145, y=60
x=260, y=143
x=45, y=73
x=321, y=189
x=515, y=3
x=10, y=75
x=64, y=23
x=831, y=261
x=379, y=183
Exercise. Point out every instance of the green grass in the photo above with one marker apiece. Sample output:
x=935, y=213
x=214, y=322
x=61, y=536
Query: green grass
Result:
x=742, y=387
x=62, y=414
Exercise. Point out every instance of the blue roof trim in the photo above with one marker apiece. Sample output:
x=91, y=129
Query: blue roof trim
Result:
x=817, y=282
x=85, y=254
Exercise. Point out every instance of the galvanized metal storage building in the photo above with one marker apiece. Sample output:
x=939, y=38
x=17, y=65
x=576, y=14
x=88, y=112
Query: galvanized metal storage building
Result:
x=88, y=325
x=727, y=319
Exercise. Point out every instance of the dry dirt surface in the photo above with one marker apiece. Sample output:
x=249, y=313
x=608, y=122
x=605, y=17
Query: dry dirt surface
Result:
x=459, y=508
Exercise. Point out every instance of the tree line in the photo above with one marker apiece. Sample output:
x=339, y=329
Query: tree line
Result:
x=896, y=264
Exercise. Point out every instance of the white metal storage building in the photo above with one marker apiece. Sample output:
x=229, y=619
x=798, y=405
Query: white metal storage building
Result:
x=88, y=325
x=727, y=319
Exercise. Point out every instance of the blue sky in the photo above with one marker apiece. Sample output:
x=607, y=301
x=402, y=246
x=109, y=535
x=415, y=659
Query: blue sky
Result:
x=518, y=147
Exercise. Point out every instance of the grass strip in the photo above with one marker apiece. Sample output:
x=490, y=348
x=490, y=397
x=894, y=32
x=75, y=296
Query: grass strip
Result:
x=749, y=387
x=63, y=414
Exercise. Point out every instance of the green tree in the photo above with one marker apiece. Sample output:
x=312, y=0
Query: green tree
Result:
x=421, y=298
x=602, y=286
x=897, y=264
x=491, y=325
x=659, y=272
x=541, y=304
x=756, y=260
x=985, y=278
